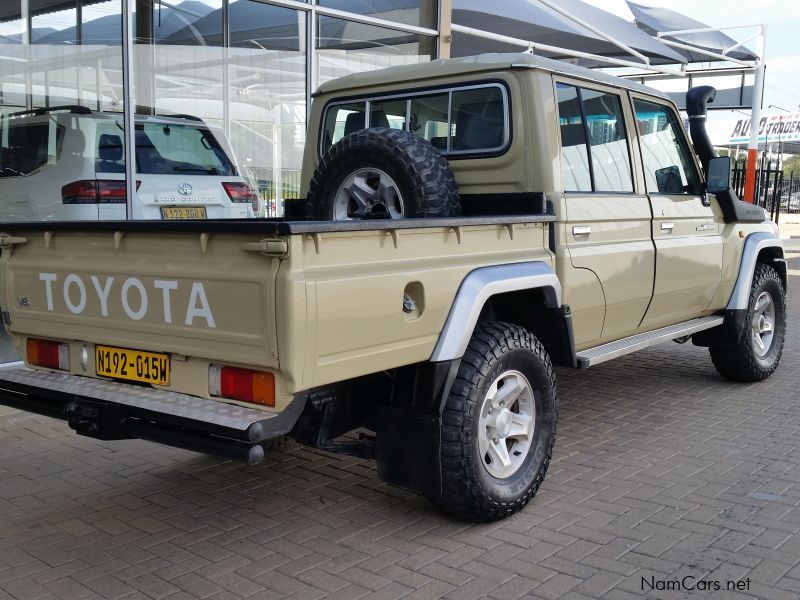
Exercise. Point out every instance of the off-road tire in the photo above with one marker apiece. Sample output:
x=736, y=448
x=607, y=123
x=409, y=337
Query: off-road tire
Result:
x=469, y=491
x=740, y=362
x=422, y=174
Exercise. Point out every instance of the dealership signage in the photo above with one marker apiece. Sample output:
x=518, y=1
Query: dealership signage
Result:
x=776, y=128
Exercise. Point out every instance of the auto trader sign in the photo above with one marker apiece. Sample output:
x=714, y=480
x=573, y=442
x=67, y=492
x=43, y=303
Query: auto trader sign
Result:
x=775, y=128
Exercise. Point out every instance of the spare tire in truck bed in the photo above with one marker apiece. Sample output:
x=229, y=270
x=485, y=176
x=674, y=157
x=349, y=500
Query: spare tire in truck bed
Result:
x=382, y=173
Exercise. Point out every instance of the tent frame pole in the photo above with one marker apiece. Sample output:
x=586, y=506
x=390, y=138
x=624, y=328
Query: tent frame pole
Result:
x=593, y=29
x=533, y=46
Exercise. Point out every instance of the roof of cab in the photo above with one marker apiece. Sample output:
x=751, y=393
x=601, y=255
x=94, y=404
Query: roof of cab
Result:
x=475, y=64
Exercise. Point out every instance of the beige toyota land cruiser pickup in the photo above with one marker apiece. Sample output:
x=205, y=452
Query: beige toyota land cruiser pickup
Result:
x=467, y=225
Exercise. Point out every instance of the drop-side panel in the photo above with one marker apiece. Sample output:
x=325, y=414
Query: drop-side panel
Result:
x=355, y=322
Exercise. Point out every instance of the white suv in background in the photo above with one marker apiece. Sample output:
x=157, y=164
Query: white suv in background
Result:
x=67, y=164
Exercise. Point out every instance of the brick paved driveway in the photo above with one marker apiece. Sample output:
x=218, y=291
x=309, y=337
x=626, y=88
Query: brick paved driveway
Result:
x=662, y=470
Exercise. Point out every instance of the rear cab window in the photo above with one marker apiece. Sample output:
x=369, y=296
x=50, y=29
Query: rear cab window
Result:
x=462, y=120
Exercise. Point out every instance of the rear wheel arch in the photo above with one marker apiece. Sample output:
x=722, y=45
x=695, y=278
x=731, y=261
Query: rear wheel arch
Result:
x=532, y=310
x=524, y=294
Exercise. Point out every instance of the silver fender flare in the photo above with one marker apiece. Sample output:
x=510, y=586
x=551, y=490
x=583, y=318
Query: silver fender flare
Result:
x=480, y=285
x=753, y=245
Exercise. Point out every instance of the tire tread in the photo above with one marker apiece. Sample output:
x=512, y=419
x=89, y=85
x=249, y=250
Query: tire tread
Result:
x=461, y=495
x=739, y=362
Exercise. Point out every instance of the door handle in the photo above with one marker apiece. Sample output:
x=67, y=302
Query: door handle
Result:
x=581, y=230
x=667, y=226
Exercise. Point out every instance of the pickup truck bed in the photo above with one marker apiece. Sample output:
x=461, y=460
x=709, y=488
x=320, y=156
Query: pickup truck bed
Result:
x=312, y=303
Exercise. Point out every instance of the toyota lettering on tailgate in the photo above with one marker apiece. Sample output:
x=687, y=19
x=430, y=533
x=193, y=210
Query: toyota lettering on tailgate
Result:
x=132, y=294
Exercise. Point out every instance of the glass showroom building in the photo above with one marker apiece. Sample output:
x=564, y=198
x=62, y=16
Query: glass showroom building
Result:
x=246, y=68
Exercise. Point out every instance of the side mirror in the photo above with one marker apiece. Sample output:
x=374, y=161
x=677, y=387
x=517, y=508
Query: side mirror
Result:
x=718, y=178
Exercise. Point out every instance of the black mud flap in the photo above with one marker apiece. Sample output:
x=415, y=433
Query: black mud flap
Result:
x=727, y=334
x=407, y=450
x=409, y=435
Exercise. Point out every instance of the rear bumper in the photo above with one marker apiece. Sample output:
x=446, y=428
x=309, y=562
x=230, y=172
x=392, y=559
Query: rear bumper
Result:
x=110, y=410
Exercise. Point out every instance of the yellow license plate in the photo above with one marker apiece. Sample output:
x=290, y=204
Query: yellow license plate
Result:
x=132, y=365
x=183, y=212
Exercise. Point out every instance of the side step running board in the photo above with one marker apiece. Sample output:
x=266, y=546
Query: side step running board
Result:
x=600, y=354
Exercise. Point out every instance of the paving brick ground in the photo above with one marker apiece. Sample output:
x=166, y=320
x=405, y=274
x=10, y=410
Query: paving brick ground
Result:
x=662, y=470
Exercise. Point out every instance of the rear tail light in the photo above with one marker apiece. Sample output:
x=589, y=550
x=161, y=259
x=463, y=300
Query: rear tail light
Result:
x=96, y=191
x=46, y=353
x=241, y=192
x=246, y=385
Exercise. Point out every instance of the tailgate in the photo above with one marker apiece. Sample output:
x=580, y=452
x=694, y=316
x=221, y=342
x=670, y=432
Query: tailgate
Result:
x=193, y=295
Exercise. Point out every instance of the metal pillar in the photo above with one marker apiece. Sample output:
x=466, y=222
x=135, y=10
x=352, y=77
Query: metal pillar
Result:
x=128, y=105
x=445, y=28
x=755, y=118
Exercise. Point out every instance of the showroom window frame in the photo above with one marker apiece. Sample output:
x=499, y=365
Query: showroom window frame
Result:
x=312, y=11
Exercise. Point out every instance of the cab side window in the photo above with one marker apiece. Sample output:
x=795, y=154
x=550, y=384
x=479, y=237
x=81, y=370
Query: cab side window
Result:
x=594, y=145
x=668, y=167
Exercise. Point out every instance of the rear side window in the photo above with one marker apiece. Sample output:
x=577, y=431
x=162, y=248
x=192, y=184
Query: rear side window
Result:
x=27, y=146
x=668, y=167
x=594, y=144
x=174, y=149
x=472, y=120
x=341, y=120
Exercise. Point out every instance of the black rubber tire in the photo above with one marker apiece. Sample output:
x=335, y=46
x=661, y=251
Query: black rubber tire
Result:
x=740, y=362
x=422, y=174
x=469, y=491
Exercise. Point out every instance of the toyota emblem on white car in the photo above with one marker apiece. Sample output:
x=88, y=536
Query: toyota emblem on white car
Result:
x=185, y=188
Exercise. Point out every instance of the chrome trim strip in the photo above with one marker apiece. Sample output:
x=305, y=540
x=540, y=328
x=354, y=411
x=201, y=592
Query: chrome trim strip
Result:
x=477, y=287
x=754, y=243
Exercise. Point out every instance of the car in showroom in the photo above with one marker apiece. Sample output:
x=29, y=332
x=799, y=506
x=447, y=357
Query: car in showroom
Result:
x=67, y=164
